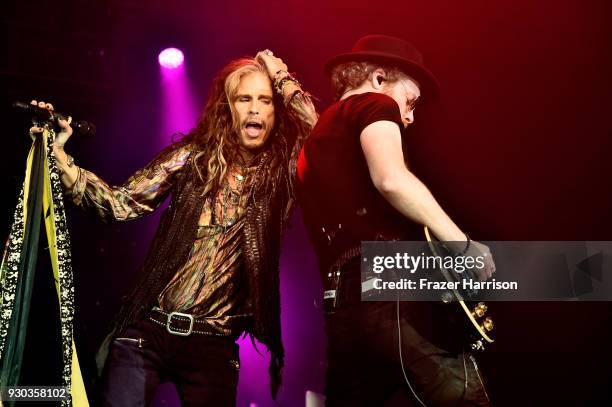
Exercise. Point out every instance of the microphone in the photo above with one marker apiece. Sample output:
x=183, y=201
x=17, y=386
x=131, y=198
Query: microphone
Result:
x=80, y=127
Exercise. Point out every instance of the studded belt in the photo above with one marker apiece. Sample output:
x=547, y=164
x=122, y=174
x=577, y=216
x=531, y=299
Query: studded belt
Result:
x=181, y=324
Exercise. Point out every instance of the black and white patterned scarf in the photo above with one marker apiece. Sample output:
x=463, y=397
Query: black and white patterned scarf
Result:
x=42, y=190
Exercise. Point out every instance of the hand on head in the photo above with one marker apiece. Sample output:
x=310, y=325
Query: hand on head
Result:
x=274, y=65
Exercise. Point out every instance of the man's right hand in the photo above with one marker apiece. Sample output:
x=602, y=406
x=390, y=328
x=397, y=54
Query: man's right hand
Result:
x=64, y=162
x=478, y=249
x=62, y=137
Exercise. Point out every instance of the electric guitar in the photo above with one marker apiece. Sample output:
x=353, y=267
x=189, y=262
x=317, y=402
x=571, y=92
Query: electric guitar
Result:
x=478, y=324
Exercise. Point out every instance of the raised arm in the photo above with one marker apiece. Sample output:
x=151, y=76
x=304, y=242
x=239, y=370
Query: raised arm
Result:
x=299, y=105
x=139, y=195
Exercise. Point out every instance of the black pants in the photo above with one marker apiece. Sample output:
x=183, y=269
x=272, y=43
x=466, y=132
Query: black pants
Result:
x=364, y=366
x=203, y=368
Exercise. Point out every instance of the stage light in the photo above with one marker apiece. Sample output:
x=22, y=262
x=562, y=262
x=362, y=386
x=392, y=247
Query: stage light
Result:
x=171, y=58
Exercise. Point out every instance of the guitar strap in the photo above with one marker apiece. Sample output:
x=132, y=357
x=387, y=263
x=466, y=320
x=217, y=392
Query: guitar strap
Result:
x=40, y=200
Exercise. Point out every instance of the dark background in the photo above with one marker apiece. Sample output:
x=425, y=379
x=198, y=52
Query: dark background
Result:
x=518, y=148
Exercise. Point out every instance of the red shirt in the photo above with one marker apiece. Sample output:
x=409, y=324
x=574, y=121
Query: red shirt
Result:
x=334, y=184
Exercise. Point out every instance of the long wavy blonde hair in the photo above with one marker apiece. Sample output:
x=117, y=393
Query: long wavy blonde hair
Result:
x=215, y=136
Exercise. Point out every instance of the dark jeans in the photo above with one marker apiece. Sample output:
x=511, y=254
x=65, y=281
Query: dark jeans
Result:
x=364, y=367
x=203, y=368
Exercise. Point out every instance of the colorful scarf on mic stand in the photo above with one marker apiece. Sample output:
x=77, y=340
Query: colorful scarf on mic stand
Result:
x=40, y=200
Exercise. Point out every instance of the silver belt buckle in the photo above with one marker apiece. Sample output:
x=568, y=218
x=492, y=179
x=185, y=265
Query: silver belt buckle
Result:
x=179, y=333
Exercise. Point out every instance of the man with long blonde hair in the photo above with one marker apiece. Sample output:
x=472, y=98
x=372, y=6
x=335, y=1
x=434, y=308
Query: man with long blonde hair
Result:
x=211, y=273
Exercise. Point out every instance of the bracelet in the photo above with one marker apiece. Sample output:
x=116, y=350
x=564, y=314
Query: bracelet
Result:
x=69, y=163
x=289, y=99
x=278, y=85
x=275, y=80
x=467, y=246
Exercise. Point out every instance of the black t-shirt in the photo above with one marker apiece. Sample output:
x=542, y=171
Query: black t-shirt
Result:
x=334, y=184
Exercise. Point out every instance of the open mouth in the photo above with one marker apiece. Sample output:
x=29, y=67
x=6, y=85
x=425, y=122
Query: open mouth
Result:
x=253, y=128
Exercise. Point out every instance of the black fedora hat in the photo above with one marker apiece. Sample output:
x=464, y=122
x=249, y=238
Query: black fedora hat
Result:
x=391, y=51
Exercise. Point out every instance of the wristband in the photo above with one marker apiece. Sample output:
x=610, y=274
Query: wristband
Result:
x=467, y=246
x=278, y=85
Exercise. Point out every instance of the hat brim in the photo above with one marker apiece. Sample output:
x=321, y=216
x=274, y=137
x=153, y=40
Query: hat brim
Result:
x=430, y=89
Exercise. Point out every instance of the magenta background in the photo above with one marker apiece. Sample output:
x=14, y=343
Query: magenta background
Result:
x=518, y=148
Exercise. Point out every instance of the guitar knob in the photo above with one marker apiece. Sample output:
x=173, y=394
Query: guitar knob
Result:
x=477, y=346
x=479, y=310
x=487, y=324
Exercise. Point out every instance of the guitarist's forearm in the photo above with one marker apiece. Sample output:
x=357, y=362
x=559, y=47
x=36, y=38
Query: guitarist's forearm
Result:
x=406, y=193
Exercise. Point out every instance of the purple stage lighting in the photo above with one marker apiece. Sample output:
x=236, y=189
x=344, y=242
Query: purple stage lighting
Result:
x=171, y=58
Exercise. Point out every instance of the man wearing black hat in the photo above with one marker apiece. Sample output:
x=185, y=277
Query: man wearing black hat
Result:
x=354, y=186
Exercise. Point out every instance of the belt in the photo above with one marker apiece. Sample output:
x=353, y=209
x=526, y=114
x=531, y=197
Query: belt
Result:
x=181, y=324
